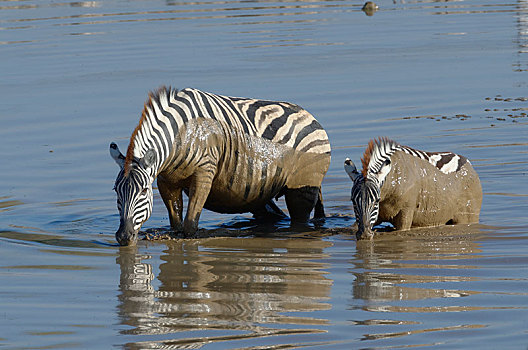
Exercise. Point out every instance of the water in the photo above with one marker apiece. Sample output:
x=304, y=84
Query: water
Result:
x=432, y=75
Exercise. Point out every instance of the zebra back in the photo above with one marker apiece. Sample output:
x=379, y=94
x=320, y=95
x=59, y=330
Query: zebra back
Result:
x=167, y=110
x=379, y=151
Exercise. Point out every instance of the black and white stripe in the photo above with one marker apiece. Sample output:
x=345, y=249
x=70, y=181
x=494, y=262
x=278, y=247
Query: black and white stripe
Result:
x=446, y=162
x=366, y=190
x=280, y=122
x=134, y=196
x=169, y=114
x=365, y=198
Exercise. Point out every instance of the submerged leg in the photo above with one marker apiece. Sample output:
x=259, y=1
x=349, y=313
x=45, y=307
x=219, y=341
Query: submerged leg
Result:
x=300, y=202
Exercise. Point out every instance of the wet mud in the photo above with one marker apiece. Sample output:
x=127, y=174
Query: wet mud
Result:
x=381, y=233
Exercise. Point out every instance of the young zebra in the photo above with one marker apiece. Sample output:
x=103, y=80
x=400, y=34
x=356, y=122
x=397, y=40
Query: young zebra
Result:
x=229, y=155
x=408, y=187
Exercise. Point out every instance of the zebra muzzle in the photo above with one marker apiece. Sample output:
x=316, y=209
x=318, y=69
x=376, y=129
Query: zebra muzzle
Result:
x=126, y=235
x=364, y=231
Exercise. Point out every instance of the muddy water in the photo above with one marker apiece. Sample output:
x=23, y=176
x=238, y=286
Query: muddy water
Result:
x=433, y=75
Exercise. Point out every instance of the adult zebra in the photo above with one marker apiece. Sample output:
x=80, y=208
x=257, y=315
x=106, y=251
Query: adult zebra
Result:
x=230, y=155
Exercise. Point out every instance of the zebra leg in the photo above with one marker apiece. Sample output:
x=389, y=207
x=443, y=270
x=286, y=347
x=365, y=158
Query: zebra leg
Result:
x=269, y=212
x=172, y=197
x=319, y=212
x=403, y=221
x=199, y=190
x=300, y=202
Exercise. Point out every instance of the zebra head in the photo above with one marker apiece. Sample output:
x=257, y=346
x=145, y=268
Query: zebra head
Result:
x=366, y=196
x=133, y=187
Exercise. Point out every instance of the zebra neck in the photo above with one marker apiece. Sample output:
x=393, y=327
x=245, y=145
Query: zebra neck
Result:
x=382, y=152
x=143, y=146
x=157, y=129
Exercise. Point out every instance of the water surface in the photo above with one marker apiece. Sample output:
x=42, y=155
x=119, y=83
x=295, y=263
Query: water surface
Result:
x=436, y=76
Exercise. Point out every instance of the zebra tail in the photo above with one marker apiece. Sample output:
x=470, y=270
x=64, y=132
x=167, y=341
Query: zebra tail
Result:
x=319, y=212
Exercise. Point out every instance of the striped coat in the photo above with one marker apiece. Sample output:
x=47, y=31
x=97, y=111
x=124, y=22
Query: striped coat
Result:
x=230, y=155
x=412, y=188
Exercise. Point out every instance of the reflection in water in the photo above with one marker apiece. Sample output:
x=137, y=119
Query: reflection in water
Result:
x=384, y=267
x=82, y=16
x=6, y=203
x=370, y=8
x=420, y=265
x=26, y=6
x=401, y=334
x=216, y=284
x=203, y=10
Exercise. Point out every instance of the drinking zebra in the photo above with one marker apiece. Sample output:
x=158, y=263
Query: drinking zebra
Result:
x=408, y=187
x=229, y=155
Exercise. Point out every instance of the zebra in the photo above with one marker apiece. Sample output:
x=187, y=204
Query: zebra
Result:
x=228, y=154
x=408, y=187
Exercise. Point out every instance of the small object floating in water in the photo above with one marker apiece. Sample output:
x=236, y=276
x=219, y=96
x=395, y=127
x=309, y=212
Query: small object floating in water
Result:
x=369, y=8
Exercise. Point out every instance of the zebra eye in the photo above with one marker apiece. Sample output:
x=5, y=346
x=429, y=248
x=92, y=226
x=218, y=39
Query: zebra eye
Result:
x=144, y=191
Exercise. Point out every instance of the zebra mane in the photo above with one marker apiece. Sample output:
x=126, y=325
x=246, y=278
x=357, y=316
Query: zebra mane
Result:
x=377, y=152
x=148, y=107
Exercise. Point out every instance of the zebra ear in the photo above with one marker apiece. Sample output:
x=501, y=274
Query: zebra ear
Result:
x=351, y=169
x=384, y=171
x=148, y=159
x=117, y=155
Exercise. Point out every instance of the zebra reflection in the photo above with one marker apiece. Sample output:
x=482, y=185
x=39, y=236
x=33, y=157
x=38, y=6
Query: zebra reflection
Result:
x=225, y=288
x=388, y=270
